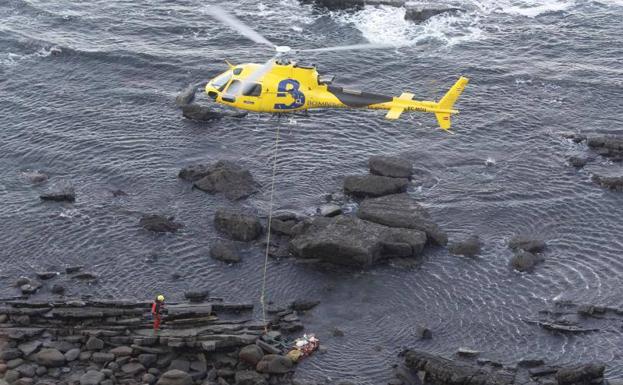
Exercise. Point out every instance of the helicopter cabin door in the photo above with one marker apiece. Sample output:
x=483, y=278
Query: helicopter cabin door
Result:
x=248, y=99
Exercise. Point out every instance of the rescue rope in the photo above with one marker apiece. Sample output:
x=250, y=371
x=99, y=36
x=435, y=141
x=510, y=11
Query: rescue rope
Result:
x=270, y=218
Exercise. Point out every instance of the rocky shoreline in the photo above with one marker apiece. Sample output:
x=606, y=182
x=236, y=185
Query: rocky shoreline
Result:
x=90, y=342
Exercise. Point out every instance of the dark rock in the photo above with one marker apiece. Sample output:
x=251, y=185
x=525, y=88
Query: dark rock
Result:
x=159, y=223
x=610, y=146
x=611, y=182
x=60, y=193
x=400, y=210
x=225, y=251
x=423, y=333
x=420, y=15
x=118, y=193
x=30, y=347
x=180, y=364
x=85, y=276
x=530, y=362
x=92, y=377
x=187, y=96
x=228, y=178
x=251, y=355
x=282, y=227
x=578, y=161
x=27, y=370
x=44, y=275
x=148, y=378
x=337, y=332
x=147, y=359
x=274, y=364
x=304, y=305
x=524, y=261
x=576, y=138
x=133, y=368
x=73, y=269
x=194, y=172
x=469, y=247
x=196, y=295
x=352, y=241
x=7, y=354
x=526, y=243
x=374, y=185
x=58, y=289
x=580, y=374
x=72, y=354
x=238, y=226
x=101, y=358
x=94, y=343
x=21, y=281
x=35, y=177
x=390, y=166
x=346, y=4
x=175, y=377
x=14, y=363
x=121, y=351
x=205, y=114
x=249, y=377
x=329, y=210
x=51, y=358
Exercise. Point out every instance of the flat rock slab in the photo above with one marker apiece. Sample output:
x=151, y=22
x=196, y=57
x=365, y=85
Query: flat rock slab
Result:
x=354, y=242
x=402, y=211
x=363, y=186
x=227, y=178
x=390, y=166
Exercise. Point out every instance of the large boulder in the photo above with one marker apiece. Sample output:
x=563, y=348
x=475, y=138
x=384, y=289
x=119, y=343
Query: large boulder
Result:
x=51, y=358
x=249, y=377
x=229, y=179
x=390, y=166
x=354, y=242
x=274, y=364
x=61, y=192
x=159, y=223
x=525, y=261
x=400, y=210
x=251, y=354
x=611, y=182
x=527, y=243
x=362, y=186
x=175, y=377
x=225, y=251
x=610, y=146
x=469, y=247
x=581, y=374
x=421, y=14
x=194, y=172
x=238, y=226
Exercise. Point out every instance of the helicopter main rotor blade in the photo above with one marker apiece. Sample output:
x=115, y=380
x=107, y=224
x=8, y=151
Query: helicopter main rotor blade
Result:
x=347, y=47
x=236, y=24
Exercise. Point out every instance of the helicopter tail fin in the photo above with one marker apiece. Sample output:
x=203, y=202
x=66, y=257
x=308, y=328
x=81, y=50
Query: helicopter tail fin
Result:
x=447, y=102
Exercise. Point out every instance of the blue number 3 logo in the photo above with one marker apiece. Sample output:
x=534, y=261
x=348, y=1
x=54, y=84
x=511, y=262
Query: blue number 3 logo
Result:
x=297, y=95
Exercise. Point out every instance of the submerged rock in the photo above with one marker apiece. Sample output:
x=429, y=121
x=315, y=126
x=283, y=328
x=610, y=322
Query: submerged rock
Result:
x=578, y=161
x=346, y=4
x=238, y=226
x=526, y=243
x=525, y=261
x=186, y=96
x=421, y=14
x=400, y=210
x=159, y=223
x=35, y=177
x=60, y=193
x=224, y=177
x=610, y=146
x=390, y=166
x=611, y=182
x=581, y=374
x=469, y=247
x=351, y=241
x=194, y=172
x=225, y=251
x=374, y=185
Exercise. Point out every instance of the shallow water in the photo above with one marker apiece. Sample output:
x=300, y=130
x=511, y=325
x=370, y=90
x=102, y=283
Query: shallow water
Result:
x=87, y=92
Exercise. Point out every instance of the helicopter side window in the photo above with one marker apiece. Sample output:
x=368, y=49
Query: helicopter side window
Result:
x=220, y=81
x=237, y=71
x=234, y=89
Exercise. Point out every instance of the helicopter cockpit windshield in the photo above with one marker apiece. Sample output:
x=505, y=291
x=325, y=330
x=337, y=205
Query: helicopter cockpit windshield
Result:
x=220, y=81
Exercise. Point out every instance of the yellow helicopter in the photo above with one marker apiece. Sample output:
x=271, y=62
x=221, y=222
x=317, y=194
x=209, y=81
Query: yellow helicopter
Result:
x=282, y=86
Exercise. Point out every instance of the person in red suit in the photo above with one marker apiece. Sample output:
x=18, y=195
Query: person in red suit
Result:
x=157, y=308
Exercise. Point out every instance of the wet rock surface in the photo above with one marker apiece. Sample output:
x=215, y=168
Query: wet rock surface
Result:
x=351, y=241
x=401, y=211
x=469, y=247
x=225, y=251
x=346, y=4
x=611, y=182
x=438, y=370
x=61, y=192
x=112, y=342
x=421, y=14
x=160, y=223
x=390, y=166
x=525, y=261
x=237, y=225
x=362, y=186
x=226, y=177
x=610, y=146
